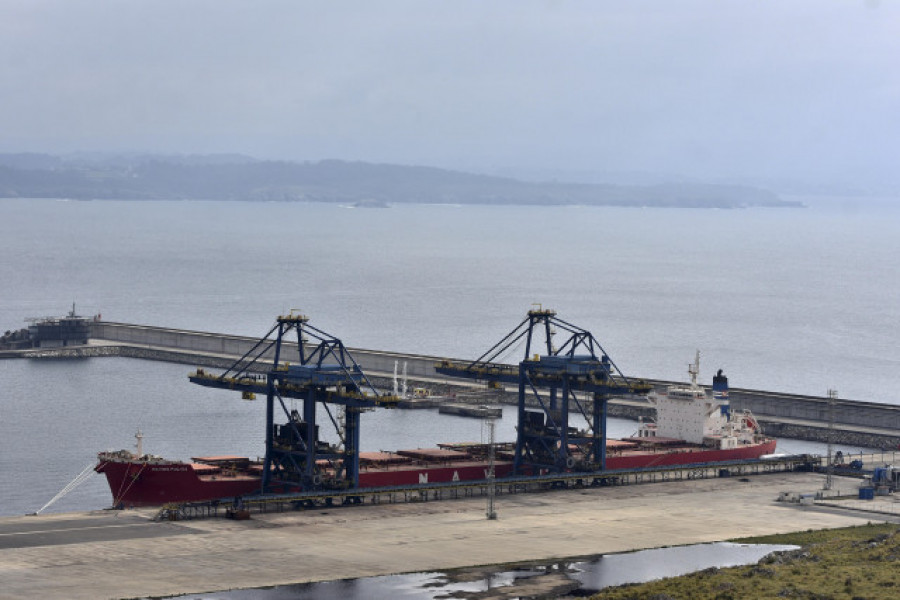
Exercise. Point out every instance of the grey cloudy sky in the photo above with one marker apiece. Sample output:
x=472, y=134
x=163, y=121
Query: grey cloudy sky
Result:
x=703, y=88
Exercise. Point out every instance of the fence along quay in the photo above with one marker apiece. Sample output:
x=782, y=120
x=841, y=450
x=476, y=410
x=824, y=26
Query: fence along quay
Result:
x=241, y=508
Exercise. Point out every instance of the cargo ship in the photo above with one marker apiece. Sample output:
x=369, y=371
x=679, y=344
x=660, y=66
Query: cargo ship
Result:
x=692, y=426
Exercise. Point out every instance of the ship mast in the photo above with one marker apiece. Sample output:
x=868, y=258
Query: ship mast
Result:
x=694, y=369
x=139, y=446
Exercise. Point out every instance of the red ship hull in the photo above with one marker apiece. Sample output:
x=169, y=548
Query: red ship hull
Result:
x=139, y=483
x=688, y=455
x=135, y=483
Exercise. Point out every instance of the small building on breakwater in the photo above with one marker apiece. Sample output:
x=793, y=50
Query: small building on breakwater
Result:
x=50, y=332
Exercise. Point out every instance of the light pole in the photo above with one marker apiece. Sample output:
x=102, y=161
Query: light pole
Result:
x=829, y=471
x=491, y=514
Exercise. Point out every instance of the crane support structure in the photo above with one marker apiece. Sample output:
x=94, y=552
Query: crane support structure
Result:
x=563, y=393
x=321, y=375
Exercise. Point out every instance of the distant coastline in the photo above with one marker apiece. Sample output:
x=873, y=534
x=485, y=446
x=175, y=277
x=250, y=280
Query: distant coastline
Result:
x=232, y=177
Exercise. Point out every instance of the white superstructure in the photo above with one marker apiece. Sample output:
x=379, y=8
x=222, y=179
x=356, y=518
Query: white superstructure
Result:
x=690, y=413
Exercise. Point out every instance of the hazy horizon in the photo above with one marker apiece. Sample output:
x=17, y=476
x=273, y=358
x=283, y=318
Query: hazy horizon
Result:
x=803, y=92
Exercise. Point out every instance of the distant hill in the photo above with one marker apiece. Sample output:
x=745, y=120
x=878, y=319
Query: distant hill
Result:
x=236, y=177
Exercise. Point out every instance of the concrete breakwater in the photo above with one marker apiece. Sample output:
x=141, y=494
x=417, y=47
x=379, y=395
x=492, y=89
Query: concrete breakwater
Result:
x=860, y=423
x=778, y=426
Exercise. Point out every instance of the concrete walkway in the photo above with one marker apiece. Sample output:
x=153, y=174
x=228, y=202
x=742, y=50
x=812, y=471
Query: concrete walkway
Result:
x=122, y=555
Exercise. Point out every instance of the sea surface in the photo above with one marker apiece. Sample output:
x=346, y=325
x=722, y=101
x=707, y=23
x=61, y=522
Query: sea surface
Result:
x=795, y=300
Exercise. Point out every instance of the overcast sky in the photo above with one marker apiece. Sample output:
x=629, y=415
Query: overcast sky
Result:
x=703, y=88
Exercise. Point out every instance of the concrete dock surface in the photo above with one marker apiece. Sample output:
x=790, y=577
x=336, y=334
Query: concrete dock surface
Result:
x=124, y=554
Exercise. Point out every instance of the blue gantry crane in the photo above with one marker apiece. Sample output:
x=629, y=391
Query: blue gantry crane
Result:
x=553, y=382
x=317, y=369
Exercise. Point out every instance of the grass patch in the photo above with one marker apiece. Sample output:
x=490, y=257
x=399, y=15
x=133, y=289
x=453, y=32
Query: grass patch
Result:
x=853, y=563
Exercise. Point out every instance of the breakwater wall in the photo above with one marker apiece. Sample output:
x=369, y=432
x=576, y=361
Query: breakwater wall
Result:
x=860, y=423
x=776, y=425
x=230, y=347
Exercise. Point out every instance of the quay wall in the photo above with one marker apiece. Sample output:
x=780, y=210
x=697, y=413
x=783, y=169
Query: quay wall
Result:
x=793, y=415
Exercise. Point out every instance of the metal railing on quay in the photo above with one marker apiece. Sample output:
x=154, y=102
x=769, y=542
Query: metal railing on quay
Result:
x=426, y=492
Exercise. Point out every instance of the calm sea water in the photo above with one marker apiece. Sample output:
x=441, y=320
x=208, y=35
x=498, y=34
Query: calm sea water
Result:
x=793, y=300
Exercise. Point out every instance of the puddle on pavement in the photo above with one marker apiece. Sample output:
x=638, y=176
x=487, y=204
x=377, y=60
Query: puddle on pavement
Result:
x=574, y=578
